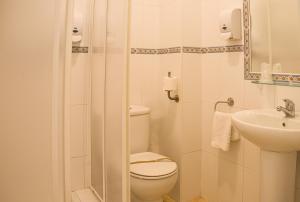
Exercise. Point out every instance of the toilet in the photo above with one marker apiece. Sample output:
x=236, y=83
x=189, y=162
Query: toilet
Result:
x=152, y=175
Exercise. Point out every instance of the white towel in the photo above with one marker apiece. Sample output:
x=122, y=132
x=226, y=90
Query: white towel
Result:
x=221, y=132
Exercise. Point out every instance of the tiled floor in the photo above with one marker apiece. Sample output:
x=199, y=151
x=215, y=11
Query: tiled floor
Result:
x=198, y=200
x=169, y=199
x=85, y=195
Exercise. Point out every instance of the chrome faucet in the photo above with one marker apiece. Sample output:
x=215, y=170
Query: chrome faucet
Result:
x=289, y=109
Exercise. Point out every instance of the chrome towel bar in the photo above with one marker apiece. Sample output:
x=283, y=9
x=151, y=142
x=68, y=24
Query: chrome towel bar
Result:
x=230, y=102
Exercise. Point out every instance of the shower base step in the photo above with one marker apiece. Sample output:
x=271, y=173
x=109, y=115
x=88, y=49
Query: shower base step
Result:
x=84, y=195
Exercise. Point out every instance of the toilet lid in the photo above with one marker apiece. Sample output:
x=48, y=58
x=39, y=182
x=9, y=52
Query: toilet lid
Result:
x=151, y=165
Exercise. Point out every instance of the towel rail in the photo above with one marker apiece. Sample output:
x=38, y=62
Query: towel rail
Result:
x=230, y=102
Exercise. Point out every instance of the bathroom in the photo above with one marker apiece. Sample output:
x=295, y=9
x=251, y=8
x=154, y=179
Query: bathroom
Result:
x=110, y=101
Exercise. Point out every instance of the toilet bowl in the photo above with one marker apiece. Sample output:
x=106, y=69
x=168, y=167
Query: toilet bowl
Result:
x=152, y=176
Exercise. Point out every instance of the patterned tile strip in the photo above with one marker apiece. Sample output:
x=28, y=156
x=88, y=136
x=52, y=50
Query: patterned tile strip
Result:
x=76, y=49
x=147, y=51
x=161, y=51
x=218, y=49
x=197, y=50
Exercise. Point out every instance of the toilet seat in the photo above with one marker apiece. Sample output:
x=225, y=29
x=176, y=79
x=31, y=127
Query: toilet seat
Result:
x=151, y=166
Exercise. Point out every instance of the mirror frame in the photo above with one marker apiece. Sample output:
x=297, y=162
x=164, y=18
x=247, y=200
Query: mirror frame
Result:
x=248, y=75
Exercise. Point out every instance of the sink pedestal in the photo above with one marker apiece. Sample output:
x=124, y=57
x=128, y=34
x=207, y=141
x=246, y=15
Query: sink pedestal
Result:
x=278, y=175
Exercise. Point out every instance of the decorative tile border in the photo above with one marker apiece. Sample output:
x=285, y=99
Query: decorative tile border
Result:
x=77, y=49
x=236, y=48
x=175, y=50
x=217, y=49
x=197, y=50
x=147, y=51
x=247, y=52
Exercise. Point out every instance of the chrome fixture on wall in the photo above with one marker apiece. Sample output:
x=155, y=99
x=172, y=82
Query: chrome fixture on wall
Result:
x=230, y=102
x=170, y=84
x=289, y=109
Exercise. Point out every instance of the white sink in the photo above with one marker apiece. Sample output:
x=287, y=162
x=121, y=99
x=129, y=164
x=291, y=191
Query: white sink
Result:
x=269, y=129
x=279, y=139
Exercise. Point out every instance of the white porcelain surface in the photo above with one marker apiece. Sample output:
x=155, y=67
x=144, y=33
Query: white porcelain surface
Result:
x=278, y=176
x=151, y=190
x=265, y=129
x=139, y=129
x=151, y=170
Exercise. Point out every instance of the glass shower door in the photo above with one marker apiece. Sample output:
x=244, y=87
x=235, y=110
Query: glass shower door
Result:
x=110, y=176
x=98, y=97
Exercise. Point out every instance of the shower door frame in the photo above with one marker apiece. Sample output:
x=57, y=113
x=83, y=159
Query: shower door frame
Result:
x=124, y=96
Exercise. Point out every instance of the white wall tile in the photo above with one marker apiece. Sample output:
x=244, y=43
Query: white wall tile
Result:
x=191, y=123
x=207, y=110
x=191, y=78
x=78, y=130
x=170, y=23
x=235, y=154
x=190, y=176
x=135, y=87
x=145, y=24
x=253, y=95
x=210, y=23
x=77, y=173
x=191, y=23
x=79, y=78
x=251, y=187
x=232, y=78
x=230, y=183
x=211, y=77
x=209, y=173
x=251, y=156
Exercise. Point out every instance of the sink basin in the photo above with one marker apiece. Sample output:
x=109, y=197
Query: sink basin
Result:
x=269, y=129
x=279, y=139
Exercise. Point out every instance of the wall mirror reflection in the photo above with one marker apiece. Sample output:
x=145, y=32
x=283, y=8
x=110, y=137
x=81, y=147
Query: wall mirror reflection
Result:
x=272, y=42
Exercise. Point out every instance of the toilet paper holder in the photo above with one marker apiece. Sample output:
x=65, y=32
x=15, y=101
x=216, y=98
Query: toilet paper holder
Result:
x=175, y=97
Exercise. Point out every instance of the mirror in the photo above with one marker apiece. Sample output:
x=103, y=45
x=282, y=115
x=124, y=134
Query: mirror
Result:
x=272, y=37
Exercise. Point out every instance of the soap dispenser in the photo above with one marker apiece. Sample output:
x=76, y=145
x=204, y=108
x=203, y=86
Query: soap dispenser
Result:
x=230, y=25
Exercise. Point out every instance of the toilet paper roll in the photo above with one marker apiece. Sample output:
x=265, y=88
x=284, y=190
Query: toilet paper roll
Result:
x=170, y=84
x=226, y=35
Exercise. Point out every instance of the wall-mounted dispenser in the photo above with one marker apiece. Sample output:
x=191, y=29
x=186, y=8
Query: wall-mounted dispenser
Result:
x=77, y=29
x=171, y=85
x=230, y=24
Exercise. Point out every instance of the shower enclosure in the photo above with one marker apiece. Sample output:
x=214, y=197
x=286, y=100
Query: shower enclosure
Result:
x=106, y=172
x=36, y=103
